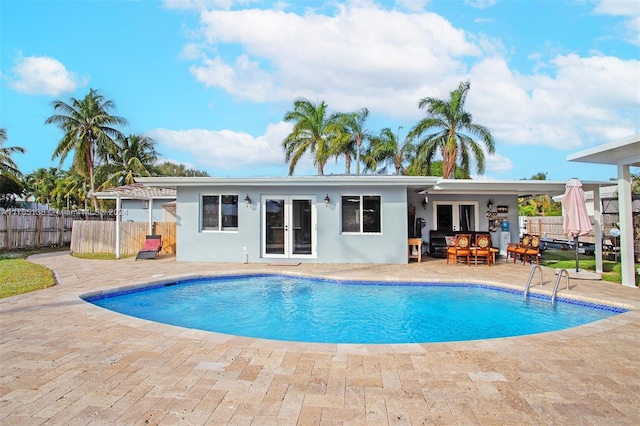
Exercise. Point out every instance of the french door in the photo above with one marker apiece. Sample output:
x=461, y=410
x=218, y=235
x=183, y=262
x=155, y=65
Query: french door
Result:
x=288, y=226
x=456, y=216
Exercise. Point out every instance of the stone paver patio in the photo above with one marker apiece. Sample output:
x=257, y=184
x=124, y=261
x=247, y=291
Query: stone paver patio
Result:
x=65, y=361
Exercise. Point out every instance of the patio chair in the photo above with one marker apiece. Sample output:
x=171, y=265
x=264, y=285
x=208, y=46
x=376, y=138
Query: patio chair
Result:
x=512, y=247
x=151, y=247
x=462, y=248
x=482, y=248
x=532, y=250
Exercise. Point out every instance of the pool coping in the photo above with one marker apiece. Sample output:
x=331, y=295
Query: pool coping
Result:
x=106, y=367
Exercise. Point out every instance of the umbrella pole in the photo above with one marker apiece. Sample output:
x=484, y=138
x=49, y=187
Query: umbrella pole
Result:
x=575, y=241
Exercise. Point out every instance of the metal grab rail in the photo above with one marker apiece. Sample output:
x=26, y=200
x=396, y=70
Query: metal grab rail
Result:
x=555, y=288
x=533, y=270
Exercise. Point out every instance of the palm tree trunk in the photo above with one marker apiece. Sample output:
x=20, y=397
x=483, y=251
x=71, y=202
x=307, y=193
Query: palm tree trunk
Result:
x=347, y=163
x=358, y=141
x=94, y=200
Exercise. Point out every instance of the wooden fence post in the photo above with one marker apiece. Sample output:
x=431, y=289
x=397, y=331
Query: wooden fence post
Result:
x=9, y=232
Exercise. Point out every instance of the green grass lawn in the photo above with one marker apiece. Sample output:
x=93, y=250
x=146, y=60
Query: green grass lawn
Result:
x=18, y=276
x=566, y=259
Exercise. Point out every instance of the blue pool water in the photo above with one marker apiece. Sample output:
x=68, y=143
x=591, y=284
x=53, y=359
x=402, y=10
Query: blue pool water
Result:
x=328, y=311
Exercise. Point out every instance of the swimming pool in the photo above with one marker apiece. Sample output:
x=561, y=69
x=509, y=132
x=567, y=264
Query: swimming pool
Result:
x=283, y=307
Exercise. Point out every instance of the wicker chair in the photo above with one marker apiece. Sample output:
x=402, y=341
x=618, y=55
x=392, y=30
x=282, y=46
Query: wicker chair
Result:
x=532, y=250
x=512, y=247
x=482, y=248
x=462, y=249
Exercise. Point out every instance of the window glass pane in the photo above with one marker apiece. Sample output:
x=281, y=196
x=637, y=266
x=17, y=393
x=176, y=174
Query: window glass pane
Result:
x=350, y=214
x=229, y=212
x=467, y=217
x=371, y=214
x=210, y=212
x=301, y=212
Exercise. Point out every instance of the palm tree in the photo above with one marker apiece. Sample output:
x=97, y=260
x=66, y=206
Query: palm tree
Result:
x=351, y=135
x=453, y=127
x=312, y=132
x=135, y=156
x=386, y=150
x=7, y=166
x=41, y=184
x=538, y=205
x=88, y=131
x=70, y=191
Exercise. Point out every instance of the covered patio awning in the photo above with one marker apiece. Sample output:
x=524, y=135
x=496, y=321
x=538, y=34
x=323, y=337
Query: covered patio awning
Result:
x=137, y=191
x=622, y=153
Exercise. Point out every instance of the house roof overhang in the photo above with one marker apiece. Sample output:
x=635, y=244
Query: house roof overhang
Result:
x=420, y=184
x=625, y=151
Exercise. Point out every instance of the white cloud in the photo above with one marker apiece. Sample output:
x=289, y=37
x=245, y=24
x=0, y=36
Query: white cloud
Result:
x=628, y=9
x=41, y=75
x=203, y=4
x=496, y=163
x=480, y=4
x=226, y=150
x=412, y=5
x=586, y=100
x=387, y=60
x=361, y=53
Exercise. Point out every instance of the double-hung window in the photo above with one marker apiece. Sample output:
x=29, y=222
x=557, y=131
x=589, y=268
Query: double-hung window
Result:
x=219, y=212
x=361, y=214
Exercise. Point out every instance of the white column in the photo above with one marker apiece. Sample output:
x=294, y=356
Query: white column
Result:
x=118, y=206
x=626, y=225
x=150, y=216
x=597, y=219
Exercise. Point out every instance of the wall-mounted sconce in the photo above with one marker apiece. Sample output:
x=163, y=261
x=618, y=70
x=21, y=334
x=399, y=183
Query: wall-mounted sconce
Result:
x=247, y=201
x=327, y=200
x=489, y=204
x=425, y=201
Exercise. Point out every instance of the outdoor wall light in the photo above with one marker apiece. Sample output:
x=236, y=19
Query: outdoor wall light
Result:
x=247, y=200
x=327, y=200
x=489, y=204
x=425, y=201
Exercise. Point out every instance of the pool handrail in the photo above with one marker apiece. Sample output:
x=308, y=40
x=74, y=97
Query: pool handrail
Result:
x=555, y=288
x=533, y=270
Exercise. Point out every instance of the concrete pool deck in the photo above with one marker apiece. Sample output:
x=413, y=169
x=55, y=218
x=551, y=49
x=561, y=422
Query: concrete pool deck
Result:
x=65, y=361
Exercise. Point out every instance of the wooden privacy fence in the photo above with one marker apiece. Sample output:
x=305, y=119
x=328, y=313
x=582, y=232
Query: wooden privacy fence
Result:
x=552, y=227
x=24, y=229
x=100, y=237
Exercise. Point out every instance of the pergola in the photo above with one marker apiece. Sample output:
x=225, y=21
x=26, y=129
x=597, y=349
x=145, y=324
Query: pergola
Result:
x=136, y=191
x=623, y=153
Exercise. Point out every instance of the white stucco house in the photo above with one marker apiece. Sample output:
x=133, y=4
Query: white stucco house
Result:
x=337, y=219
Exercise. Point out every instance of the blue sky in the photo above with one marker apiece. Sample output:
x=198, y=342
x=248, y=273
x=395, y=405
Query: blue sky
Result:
x=210, y=81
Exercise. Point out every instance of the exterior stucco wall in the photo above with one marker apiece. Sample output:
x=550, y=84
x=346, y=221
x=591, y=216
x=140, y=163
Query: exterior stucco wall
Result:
x=390, y=246
x=134, y=211
x=511, y=201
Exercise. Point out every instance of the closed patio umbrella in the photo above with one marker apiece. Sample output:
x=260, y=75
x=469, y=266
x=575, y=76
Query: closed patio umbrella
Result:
x=576, y=219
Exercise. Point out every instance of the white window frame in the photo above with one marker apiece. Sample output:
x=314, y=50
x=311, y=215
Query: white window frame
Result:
x=455, y=207
x=220, y=227
x=361, y=211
